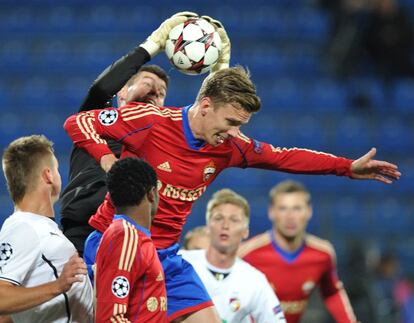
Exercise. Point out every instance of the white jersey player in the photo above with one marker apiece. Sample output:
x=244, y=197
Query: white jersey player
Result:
x=42, y=279
x=33, y=252
x=240, y=292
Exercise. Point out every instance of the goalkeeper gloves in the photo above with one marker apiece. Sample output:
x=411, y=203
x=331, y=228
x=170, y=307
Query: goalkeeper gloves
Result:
x=224, y=58
x=156, y=41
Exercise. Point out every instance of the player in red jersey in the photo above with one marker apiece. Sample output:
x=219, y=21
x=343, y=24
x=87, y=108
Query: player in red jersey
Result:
x=130, y=284
x=293, y=261
x=190, y=146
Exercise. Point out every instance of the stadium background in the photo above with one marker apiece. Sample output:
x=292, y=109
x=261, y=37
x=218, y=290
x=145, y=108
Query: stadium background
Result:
x=51, y=51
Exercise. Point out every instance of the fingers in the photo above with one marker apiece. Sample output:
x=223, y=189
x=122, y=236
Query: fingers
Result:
x=188, y=14
x=369, y=155
x=382, y=179
x=215, y=22
x=390, y=173
x=383, y=164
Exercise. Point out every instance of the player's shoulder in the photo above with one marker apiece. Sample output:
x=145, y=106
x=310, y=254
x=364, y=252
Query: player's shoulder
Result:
x=137, y=110
x=27, y=222
x=193, y=255
x=320, y=245
x=120, y=228
x=243, y=138
x=254, y=244
x=247, y=270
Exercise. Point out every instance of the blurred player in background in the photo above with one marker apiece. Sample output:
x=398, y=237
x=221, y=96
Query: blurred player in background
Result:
x=42, y=279
x=130, y=283
x=189, y=147
x=196, y=238
x=240, y=292
x=295, y=262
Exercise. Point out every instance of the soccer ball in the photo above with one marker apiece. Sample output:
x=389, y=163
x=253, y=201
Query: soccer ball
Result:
x=193, y=46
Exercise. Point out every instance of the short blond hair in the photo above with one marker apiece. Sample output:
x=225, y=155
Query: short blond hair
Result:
x=289, y=186
x=21, y=161
x=225, y=196
x=231, y=85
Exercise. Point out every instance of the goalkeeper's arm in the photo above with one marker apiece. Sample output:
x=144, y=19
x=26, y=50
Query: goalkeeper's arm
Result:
x=115, y=76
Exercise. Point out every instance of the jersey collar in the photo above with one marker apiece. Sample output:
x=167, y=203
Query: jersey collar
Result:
x=139, y=227
x=288, y=256
x=192, y=141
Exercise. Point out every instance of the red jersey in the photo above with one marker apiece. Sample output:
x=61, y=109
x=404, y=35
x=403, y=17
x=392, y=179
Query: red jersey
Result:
x=129, y=278
x=294, y=276
x=185, y=166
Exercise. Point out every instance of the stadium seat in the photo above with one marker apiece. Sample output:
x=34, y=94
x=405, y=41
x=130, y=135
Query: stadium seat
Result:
x=348, y=216
x=404, y=96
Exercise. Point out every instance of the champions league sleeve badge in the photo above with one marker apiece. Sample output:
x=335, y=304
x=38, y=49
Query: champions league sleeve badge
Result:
x=6, y=252
x=108, y=117
x=120, y=287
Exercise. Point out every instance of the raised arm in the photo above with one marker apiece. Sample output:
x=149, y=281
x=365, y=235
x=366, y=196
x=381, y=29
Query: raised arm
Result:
x=252, y=153
x=115, y=76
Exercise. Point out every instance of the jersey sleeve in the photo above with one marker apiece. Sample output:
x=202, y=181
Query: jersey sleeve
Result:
x=88, y=130
x=19, y=252
x=118, y=267
x=267, y=306
x=334, y=294
x=113, y=78
x=252, y=153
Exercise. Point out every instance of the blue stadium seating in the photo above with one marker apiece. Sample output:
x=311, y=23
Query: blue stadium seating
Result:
x=52, y=50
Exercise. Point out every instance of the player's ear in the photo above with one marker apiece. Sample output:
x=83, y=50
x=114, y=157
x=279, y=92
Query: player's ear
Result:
x=205, y=104
x=122, y=95
x=310, y=211
x=270, y=212
x=47, y=176
x=246, y=234
x=152, y=195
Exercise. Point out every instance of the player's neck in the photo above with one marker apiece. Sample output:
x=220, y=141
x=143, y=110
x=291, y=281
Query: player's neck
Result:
x=193, y=121
x=289, y=245
x=38, y=203
x=219, y=259
x=141, y=215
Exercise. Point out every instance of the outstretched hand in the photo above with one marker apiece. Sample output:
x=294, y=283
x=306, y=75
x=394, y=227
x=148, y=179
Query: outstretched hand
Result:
x=368, y=168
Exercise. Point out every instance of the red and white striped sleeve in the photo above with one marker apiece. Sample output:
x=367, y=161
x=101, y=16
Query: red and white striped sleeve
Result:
x=118, y=267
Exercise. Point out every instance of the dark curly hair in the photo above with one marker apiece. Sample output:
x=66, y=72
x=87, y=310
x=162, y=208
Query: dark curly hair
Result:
x=128, y=181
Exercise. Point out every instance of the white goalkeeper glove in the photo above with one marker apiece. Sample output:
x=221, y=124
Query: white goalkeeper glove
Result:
x=156, y=41
x=224, y=58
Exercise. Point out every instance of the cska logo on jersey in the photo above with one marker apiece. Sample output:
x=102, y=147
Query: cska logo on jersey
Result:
x=308, y=287
x=234, y=303
x=209, y=170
